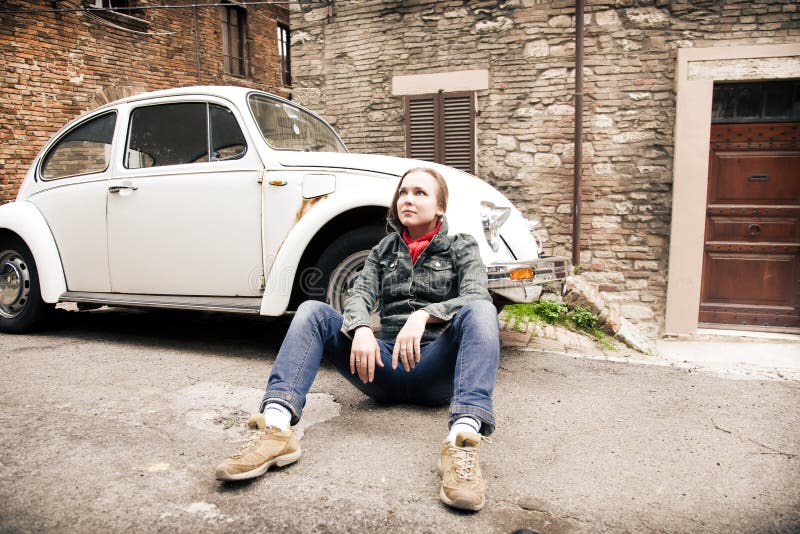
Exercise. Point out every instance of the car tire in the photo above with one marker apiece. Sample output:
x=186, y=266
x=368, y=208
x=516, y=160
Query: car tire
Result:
x=339, y=264
x=22, y=309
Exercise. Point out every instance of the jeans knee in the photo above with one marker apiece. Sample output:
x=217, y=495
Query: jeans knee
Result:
x=481, y=310
x=480, y=313
x=311, y=309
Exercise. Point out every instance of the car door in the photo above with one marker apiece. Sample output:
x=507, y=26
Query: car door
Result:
x=71, y=184
x=184, y=207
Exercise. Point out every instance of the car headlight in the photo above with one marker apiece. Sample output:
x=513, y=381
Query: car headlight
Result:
x=492, y=218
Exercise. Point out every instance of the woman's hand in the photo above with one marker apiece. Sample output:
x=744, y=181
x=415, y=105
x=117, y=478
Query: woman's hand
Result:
x=365, y=354
x=406, y=347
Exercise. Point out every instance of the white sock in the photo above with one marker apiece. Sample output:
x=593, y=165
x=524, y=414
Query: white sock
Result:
x=277, y=415
x=463, y=424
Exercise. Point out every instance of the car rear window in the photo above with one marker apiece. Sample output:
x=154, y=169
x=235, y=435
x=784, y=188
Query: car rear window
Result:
x=85, y=149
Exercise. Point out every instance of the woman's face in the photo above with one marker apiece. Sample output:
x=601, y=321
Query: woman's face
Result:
x=417, y=204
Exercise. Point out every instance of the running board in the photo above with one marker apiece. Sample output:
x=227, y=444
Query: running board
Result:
x=183, y=302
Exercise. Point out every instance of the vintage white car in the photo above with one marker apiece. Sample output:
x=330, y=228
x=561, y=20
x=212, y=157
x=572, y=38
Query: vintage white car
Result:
x=227, y=199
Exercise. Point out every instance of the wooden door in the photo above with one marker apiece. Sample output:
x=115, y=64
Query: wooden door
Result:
x=751, y=262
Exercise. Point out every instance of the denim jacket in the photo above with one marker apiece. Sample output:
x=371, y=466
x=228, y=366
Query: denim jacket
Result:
x=447, y=274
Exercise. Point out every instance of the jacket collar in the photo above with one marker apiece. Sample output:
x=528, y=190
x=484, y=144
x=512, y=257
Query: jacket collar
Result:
x=439, y=241
x=395, y=225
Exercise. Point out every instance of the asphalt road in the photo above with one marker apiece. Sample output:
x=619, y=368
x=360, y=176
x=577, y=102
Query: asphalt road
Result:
x=113, y=420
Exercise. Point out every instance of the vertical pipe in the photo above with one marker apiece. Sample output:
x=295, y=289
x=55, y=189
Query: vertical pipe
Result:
x=196, y=40
x=577, y=176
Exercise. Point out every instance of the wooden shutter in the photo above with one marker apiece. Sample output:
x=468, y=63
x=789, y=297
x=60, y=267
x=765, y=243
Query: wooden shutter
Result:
x=458, y=132
x=421, y=128
x=441, y=128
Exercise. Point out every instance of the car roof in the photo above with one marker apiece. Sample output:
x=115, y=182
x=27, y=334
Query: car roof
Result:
x=230, y=92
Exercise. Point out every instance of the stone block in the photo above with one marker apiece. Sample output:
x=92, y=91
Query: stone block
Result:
x=554, y=73
x=514, y=339
x=560, y=21
x=607, y=18
x=537, y=48
x=517, y=159
x=560, y=109
x=506, y=142
x=316, y=15
x=646, y=18
x=299, y=38
x=603, y=168
x=632, y=337
x=637, y=311
x=633, y=137
x=642, y=265
x=498, y=25
x=455, y=13
x=526, y=112
x=547, y=160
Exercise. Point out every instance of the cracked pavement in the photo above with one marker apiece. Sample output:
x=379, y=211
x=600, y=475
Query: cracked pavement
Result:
x=114, y=420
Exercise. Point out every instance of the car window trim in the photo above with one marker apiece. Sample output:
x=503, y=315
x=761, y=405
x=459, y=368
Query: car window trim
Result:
x=196, y=100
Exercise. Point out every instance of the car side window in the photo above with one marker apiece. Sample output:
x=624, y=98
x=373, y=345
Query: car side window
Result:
x=227, y=139
x=167, y=134
x=180, y=133
x=86, y=149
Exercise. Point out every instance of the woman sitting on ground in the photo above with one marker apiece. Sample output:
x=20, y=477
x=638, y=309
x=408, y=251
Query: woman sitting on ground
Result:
x=438, y=343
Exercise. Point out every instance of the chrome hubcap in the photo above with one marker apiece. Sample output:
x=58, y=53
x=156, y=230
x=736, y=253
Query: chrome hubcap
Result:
x=15, y=284
x=343, y=278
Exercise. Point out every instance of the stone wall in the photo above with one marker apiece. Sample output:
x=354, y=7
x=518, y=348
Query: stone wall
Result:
x=55, y=66
x=346, y=53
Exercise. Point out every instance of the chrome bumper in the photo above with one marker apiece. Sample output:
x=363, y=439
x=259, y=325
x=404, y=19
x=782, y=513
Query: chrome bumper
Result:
x=504, y=277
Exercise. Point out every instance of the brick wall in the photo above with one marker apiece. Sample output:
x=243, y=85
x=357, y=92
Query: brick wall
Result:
x=345, y=55
x=55, y=66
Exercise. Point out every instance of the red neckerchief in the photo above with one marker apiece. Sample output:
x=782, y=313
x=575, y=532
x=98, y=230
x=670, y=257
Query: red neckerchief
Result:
x=416, y=246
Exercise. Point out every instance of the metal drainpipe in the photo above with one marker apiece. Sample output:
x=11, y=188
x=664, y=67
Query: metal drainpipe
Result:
x=577, y=175
x=196, y=40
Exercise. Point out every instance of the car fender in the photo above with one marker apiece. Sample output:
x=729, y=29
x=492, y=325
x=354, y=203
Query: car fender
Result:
x=279, y=281
x=25, y=220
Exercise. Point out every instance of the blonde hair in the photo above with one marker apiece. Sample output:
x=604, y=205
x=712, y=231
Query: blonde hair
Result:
x=441, y=194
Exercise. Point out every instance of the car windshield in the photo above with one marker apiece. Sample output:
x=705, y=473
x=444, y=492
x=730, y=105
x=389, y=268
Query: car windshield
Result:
x=286, y=127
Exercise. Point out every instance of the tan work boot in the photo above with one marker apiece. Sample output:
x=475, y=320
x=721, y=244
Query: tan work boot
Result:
x=462, y=484
x=267, y=447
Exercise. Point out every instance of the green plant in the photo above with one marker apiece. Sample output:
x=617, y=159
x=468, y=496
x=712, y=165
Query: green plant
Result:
x=583, y=318
x=605, y=341
x=552, y=312
x=549, y=311
x=516, y=313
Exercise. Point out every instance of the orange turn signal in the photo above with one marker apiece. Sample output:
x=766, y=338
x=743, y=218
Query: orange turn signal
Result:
x=521, y=274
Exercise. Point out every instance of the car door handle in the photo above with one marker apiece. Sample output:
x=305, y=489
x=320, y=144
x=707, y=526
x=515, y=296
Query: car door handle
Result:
x=118, y=188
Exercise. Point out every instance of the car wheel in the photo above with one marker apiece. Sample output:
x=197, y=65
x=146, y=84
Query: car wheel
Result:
x=340, y=263
x=21, y=306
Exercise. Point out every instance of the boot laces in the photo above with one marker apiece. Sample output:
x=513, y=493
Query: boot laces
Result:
x=465, y=459
x=464, y=462
x=252, y=442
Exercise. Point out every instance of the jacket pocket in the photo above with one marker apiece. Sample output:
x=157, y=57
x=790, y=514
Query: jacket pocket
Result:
x=441, y=275
x=389, y=275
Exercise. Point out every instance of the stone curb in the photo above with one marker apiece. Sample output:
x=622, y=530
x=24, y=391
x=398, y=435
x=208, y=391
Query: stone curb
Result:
x=535, y=335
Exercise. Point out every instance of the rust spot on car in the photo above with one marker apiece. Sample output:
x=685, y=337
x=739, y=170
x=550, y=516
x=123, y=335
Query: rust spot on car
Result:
x=307, y=204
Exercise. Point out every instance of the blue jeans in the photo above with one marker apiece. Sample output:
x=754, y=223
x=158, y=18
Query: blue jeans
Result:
x=459, y=367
